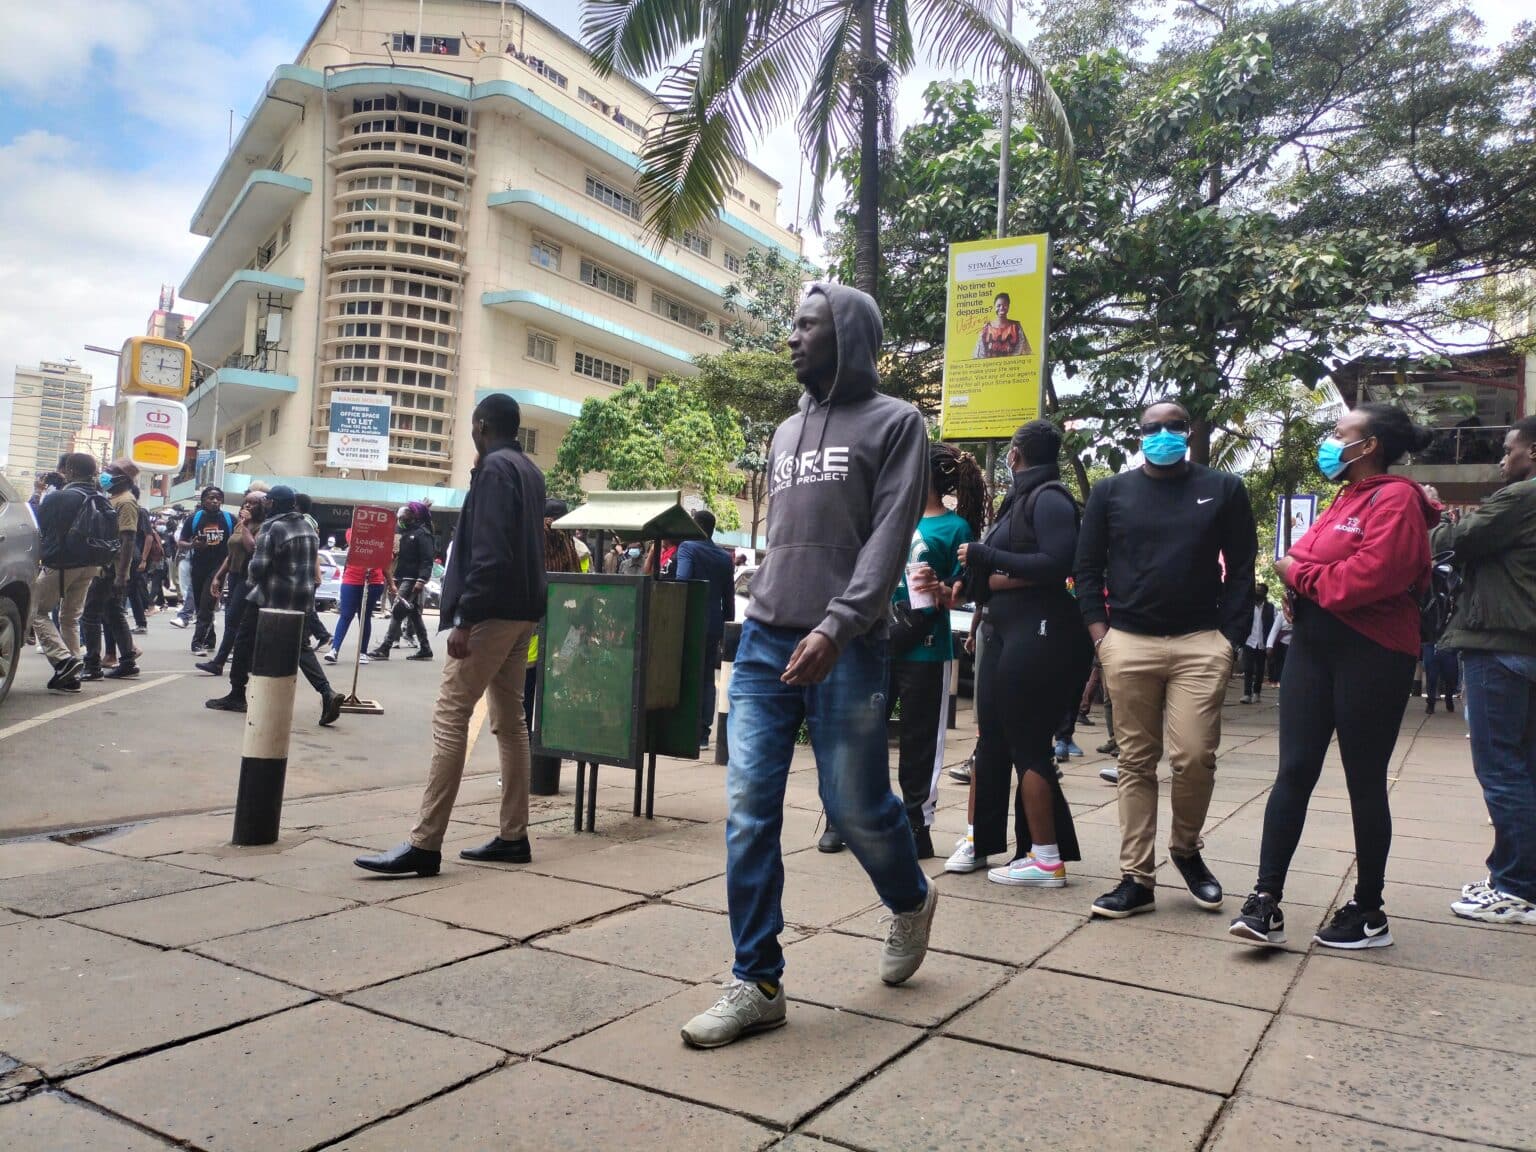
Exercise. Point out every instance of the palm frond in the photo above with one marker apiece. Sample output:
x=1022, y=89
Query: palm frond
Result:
x=964, y=34
x=827, y=122
x=896, y=36
x=639, y=37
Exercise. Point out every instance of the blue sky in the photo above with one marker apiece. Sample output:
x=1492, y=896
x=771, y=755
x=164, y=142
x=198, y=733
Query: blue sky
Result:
x=114, y=115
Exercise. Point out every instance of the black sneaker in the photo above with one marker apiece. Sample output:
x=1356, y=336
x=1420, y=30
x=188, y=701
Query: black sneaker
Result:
x=212, y=667
x=1108, y=748
x=230, y=703
x=1127, y=899
x=91, y=673
x=423, y=654
x=1352, y=928
x=123, y=671
x=830, y=841
x=330, y=709
x=1204, y=887
x=380, y=653
x=1261, y=921
x=68, y=671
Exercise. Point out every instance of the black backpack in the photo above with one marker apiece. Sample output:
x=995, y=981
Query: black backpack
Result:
x=91, y=540
x=1437, y=598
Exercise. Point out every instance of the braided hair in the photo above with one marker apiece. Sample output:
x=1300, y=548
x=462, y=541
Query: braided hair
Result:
x=953, y=472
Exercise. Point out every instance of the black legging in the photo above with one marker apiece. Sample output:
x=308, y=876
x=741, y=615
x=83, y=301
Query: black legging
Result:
x=1033, y=666
x=1335, y=680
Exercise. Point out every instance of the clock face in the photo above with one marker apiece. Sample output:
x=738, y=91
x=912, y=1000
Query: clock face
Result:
x=161, y=367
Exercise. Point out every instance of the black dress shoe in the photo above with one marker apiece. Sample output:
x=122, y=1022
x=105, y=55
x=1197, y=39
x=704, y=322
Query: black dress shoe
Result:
x=1127, y=899
x=402, y=860
x=330, y=709
x=499, y=851
x=424, y=654
x=230, y=703
x=830, y=841
x=1204, y=887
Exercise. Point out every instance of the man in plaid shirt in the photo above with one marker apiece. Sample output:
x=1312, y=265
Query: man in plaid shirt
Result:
x=282, y=573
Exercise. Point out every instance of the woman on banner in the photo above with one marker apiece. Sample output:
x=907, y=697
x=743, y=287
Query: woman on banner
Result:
x=1001, y=336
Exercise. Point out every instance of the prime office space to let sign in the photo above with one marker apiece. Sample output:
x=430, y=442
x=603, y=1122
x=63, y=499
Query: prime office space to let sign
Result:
x=994, y=336
x=359, y=436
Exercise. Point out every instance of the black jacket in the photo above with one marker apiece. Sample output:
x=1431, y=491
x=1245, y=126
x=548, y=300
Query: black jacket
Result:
x=703, y=560
x=414, y=560
x=496, y=571
x=54, y=516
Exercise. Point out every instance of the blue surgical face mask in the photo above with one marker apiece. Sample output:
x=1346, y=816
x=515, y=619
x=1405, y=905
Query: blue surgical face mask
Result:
x=1330, y=456
x=105, y=480
x=1164, y=447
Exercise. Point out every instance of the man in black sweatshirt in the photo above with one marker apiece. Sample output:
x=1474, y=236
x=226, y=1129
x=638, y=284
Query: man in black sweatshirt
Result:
x=848, y=480
x=1178, y=543
x=493, y=597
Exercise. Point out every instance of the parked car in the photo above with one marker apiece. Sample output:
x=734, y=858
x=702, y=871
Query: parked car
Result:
x=328, y=594
x=20, y=554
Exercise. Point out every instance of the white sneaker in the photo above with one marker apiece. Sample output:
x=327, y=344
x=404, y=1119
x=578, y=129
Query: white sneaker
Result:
x=363, y=659
x=1109, y=774
x=1246, y=700
x=906, y=944
x=1476, y=888
x=1495, y=907
x=330, y=657
x=741, y=1010
x=963, y=859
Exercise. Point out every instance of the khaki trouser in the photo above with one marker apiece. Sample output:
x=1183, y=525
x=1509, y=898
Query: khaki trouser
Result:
x=65, y=589
x=1165, y=687
x=496, y=665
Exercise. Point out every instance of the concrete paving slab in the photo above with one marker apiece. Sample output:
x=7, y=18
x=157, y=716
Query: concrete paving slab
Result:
x=1397, y=1080
x=58, y=1123
x=293, y=850
x=1176, y=913
x=1507, y=955
x=843, y=972
x=162, y=837
x=663, y=939
x=339, y=877
x=1154, y=1035
x=809, y=900
x=985, y=931
x=348, y=950
x=29, y=857
x=113, y=881
x=520, y=999
x=562, y=1111
x=950, y=1093
x=1453, y=1009
x=817, y=1055
x=381, y=832
x=73, y=998
x=1244, y=850
x=9, y=917
x=288, y=1082
x=515, y=904
x=1252, y=1124
x=1221, y=970
x=207, y=913
x=637, y=867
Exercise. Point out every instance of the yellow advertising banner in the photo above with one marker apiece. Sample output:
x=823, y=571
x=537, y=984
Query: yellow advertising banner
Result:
x=994, y=337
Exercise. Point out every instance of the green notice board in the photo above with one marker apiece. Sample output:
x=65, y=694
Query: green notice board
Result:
x=590, y=646
x=673, y=730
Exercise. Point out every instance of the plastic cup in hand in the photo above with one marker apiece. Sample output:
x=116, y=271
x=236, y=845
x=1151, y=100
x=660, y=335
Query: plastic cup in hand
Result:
x=920, y=575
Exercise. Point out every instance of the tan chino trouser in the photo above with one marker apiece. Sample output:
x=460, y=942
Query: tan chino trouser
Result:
x=1167, y=689
x=495, y=668
x=64, y=588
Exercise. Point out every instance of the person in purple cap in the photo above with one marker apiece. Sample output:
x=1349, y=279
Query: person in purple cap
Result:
x=413, y=569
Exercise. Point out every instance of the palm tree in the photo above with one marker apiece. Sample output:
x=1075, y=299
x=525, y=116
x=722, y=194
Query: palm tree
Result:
x=749, y=62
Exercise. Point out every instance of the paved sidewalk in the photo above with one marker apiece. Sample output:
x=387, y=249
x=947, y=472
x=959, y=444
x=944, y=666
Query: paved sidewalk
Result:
x=163, y=990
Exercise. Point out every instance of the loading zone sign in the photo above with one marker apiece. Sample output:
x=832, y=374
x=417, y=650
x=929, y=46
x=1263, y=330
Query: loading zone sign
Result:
x=359, y=436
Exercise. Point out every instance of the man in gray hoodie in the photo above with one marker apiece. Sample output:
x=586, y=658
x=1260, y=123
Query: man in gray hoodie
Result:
x=848, y=481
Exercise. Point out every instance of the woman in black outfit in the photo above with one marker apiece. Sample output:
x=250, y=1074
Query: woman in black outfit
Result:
x=1034, y=662
x=413, y=568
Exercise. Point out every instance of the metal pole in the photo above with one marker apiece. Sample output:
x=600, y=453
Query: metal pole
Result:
x=268, y=721
x=1004, y=152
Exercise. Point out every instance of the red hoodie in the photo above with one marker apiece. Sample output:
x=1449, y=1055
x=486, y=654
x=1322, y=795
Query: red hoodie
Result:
x=1365, y=555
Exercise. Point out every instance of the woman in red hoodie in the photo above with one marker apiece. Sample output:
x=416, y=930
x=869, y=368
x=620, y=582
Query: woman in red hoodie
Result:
x=1350, y=582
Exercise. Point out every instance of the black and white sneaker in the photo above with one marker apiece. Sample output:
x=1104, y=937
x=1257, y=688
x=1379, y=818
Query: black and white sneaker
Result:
x=1353, y=928
x=1261, y=921
x=67, y=672
x=1127, y=899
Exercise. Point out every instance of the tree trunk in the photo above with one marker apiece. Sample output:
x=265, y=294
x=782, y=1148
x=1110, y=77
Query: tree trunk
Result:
x=866, y=253
x=1200, y=440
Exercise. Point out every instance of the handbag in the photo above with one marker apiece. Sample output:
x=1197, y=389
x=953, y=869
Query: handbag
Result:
x=908, y=627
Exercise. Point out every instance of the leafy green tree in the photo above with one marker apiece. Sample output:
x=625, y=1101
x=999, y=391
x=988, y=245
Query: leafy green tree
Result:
x=748, y=63
x=654, y=438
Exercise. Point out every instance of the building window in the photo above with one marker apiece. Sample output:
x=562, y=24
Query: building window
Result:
x=604, y=280
x=592, y=101
x=677, y=312
x=631, y=124
x=253, y=432
x=402, y=42
x=738, y=194
x=272, y=424
x=529, y=439
x=541, y=348
x=696, y=243
x=544, y=254
x=611, y=197
x=652, y=381
x=232, y=442
x=754, y=205
x=543, y=69
x=732, y=261
x=599, y=369
x=440, y=45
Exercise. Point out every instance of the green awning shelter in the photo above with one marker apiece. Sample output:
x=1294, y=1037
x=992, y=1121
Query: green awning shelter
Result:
x=634, y=516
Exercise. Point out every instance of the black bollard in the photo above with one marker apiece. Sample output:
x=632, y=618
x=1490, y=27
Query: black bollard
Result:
x=544, y=776
x=268, y=722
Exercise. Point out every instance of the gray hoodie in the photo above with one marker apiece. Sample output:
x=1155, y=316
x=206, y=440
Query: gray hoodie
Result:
x=847, y=483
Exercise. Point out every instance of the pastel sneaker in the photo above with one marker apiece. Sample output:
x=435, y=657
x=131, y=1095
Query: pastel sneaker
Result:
x=1031, y=873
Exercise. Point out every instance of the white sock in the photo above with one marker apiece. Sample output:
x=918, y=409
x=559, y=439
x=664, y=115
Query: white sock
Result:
x=1048, y=855
x=970, y=831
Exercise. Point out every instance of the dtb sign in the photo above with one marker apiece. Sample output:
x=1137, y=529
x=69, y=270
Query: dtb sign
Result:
x=371, y=542
x=152, y=432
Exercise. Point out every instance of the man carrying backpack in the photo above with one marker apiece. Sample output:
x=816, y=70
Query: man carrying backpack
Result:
x=206, y=533
x=106, y=601
x=78, y=530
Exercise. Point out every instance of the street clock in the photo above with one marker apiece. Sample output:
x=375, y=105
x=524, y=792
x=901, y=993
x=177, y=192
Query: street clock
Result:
x=152, y=366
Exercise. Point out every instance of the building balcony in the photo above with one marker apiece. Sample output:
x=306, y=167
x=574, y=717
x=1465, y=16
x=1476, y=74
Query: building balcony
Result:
x=587, y=328
x=228, y=323
x=604, y=242
x=546, y=405
x=1461, y=464
x=237, y=392
x=258, y=210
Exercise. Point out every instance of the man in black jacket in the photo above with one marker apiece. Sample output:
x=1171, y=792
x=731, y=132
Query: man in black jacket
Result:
x=413, y=568
x=65, y=579
x=493, y=596
x=1256, y=644
x=705, y=560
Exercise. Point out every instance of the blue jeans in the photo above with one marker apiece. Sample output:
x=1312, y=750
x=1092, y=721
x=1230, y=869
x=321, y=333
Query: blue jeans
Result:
x=1501, y=715
x=846, y=717
x=351, y=606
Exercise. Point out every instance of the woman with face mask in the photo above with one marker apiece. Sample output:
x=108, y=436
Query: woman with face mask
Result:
x=1351, y=584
